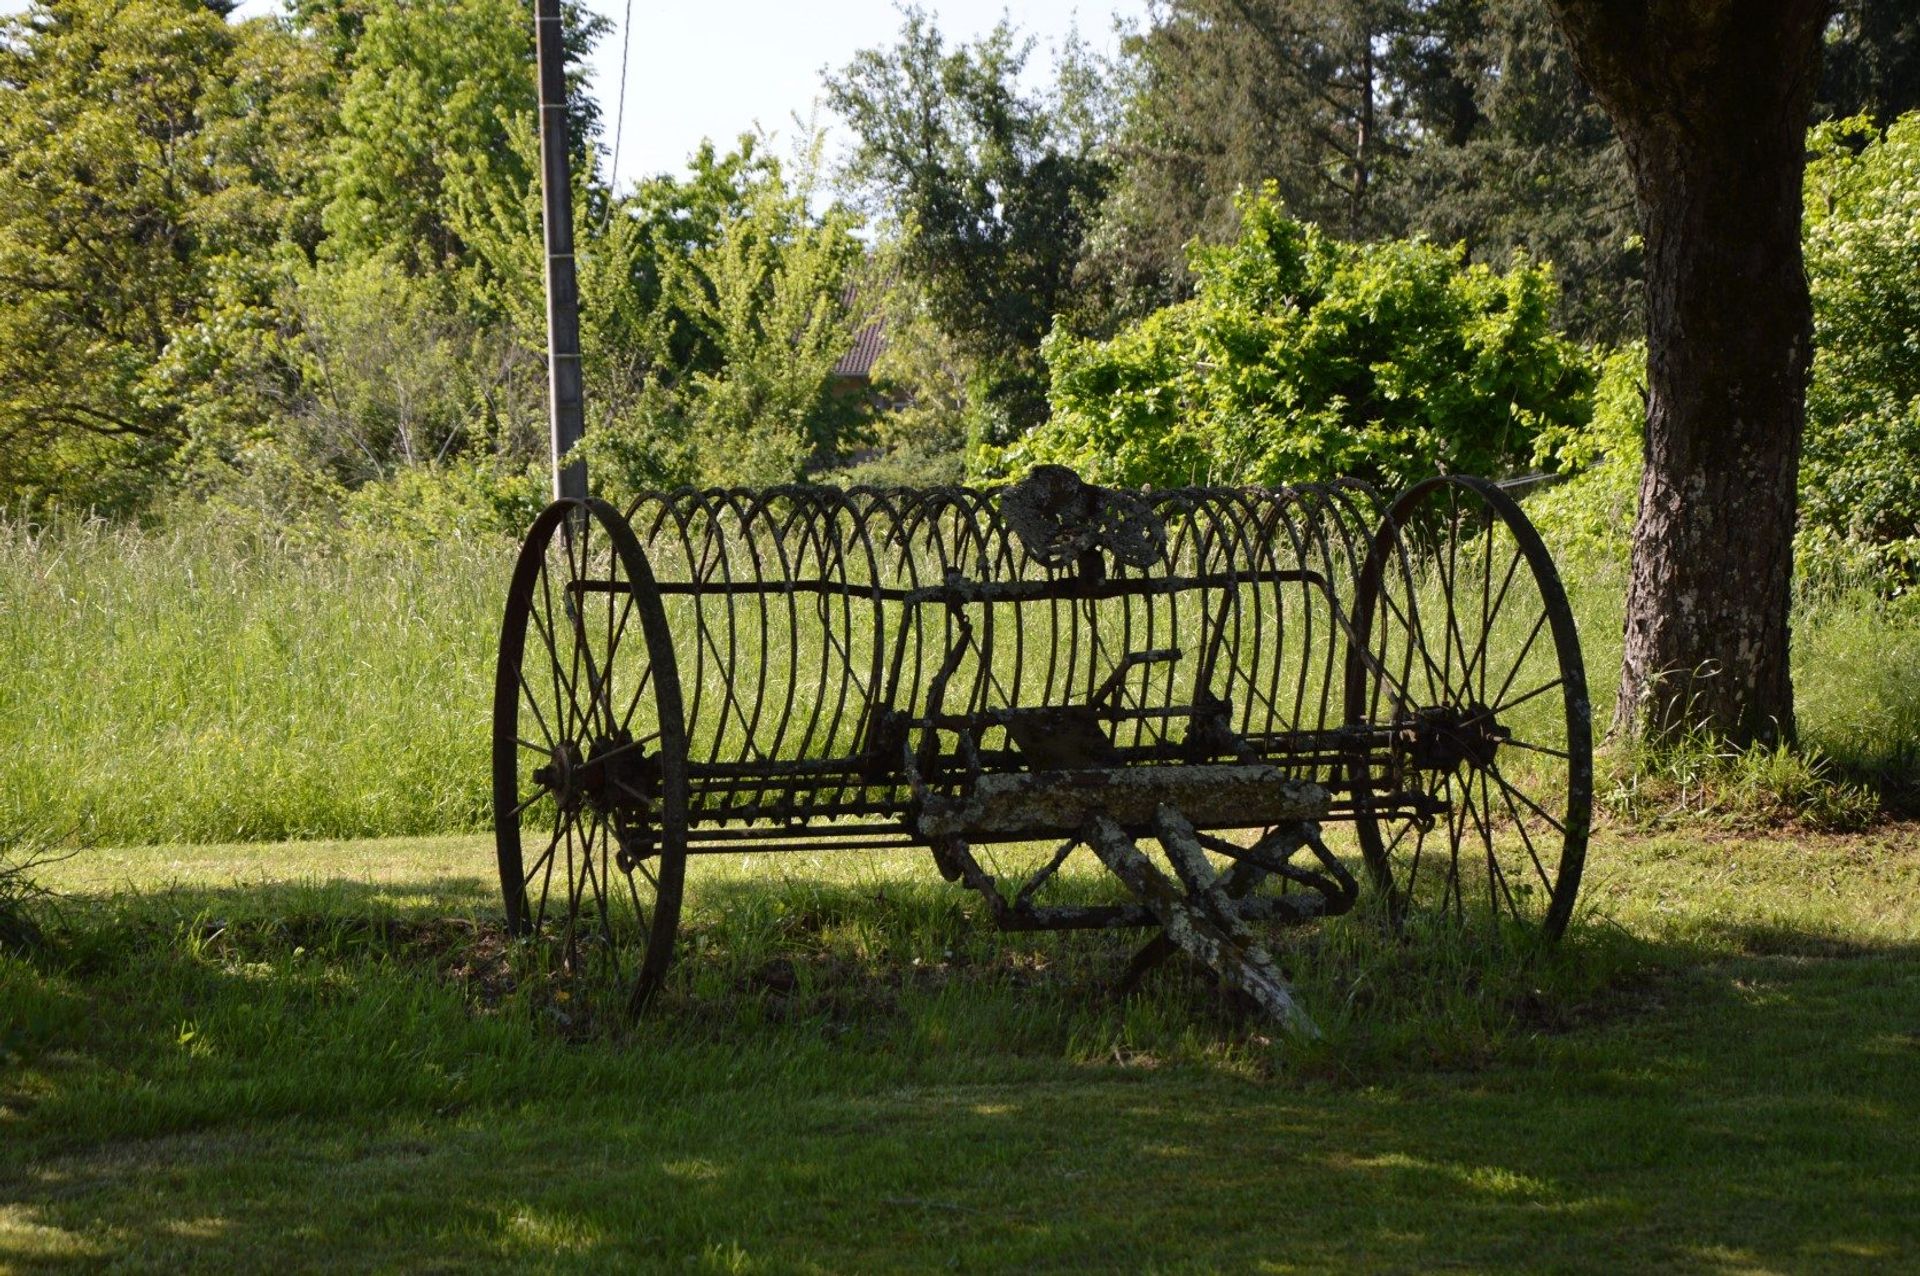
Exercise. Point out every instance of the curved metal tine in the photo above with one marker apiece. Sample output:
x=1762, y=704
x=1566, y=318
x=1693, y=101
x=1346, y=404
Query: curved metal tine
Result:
x=767, y=538
x=744, y=506
x=713, y=671
x=976, y=534
x=1230, y=546
x=1257, y=515
x=1296, y=511
x=669, y=510
x=1268, y=519
x=1333, y=530
x=821, y=551
x=985, y=541
x=829, y=537
x=1008, y=653
x=815, y=520
x=690, y=514
x=1201, y=636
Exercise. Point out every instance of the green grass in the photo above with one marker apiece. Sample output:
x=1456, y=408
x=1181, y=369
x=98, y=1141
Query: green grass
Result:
x=168, y=687
x=315, y=1056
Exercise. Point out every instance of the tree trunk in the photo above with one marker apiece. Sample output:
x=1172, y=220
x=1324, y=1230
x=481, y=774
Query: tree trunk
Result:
x=1711, y=99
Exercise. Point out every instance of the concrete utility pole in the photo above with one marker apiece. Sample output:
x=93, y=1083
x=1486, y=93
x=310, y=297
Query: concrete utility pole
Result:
x=566, y=414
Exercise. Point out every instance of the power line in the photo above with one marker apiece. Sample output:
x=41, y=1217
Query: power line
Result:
x=619, y=114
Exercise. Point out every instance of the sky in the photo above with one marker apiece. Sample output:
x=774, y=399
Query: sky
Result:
x=716, y=68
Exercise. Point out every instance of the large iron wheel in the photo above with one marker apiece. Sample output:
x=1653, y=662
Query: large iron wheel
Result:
x=590, y=752
x=1475, y=797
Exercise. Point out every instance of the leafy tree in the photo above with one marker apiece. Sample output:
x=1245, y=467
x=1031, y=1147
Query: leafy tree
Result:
x=1302, y=358
x=425, y=119
x=1459, y=119
x=390, y=375
x=1533, y=165
x=727, y=367
x=991, y=189
x=1231, y=94
x=151, y=157
x=1871, y=64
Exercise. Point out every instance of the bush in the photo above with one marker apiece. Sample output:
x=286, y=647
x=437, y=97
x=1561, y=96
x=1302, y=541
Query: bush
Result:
x=1860, y=475
x=1590, y=516
x=1302, y=359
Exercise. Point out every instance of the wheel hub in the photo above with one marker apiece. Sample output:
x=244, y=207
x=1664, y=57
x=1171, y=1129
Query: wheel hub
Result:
x=1443, y=737
x=611, y=775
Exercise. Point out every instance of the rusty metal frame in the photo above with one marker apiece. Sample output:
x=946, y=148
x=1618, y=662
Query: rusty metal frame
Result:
x=950, y=667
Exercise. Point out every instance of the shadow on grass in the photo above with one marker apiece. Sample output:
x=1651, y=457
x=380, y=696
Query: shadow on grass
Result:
x=302, y=1075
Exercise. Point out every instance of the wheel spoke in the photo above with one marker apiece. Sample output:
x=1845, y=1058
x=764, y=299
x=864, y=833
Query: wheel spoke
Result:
x=521, y=806
x=1526, y=839
x=1532, y=805
x=1482, y=654
x=1520, y=660
x=1512, y=743
x=1494, y=875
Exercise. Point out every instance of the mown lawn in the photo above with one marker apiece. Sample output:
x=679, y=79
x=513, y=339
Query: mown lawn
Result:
x=313, y=1056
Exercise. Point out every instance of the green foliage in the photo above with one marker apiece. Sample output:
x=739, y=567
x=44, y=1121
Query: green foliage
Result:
x=990, y=189
x=1532, y=164
x=1303, y=359
x=1859, y=480
x=388, y=373
x=731, y=368
x=1860, y=474
x=1590, y=515
x=1374, y=119
x=425, y=118
x=149, y=163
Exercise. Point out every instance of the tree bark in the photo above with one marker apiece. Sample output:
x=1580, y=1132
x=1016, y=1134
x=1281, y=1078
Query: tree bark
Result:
x=1711, y=98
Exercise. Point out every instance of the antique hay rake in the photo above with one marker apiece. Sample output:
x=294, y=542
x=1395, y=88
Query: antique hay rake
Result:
x=1221, y=673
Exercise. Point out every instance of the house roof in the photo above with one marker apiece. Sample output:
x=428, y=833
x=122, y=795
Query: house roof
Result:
x=867, y=345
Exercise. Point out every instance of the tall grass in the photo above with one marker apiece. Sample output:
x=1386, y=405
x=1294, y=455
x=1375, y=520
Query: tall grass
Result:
x=160, y=686
x=172, y=686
